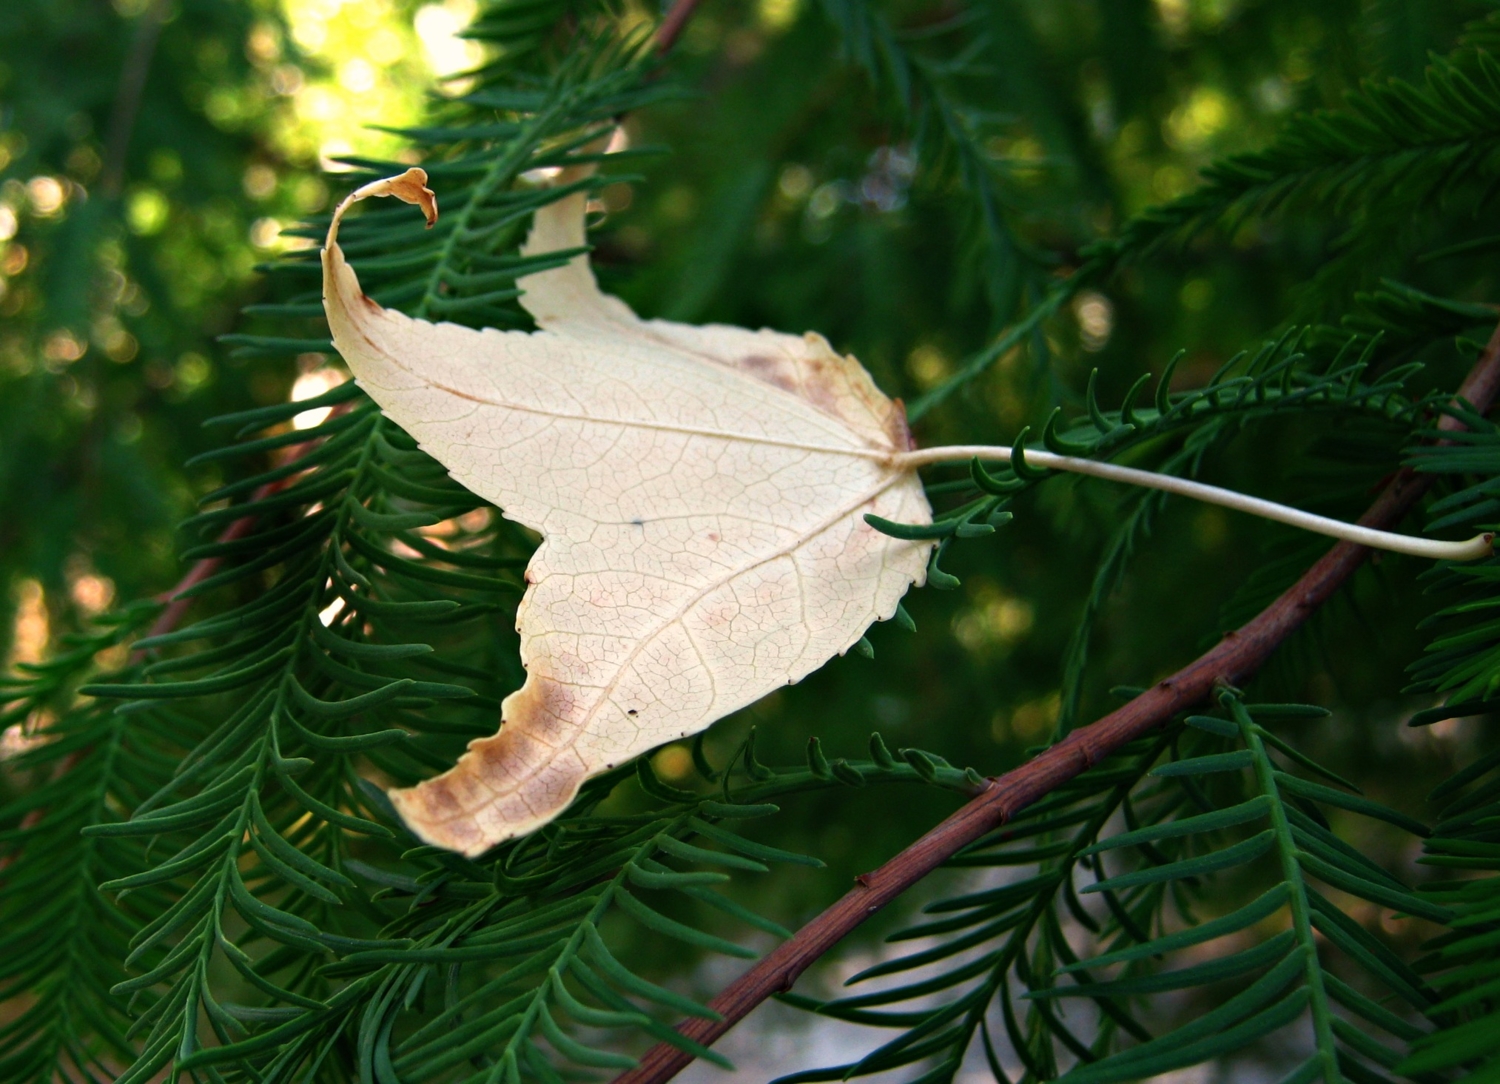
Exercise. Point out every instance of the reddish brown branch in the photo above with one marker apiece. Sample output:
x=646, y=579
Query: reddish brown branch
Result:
x=202, y=569
x=128, y=97
x=1233, y=661
x=674, y=24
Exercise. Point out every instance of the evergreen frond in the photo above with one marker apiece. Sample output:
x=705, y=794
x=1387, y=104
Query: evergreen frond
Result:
x=1393, y=148
x=985, y=936
x=1462, y=663
x=1464, y=964
x=1222, y=802
x=1293, y=981
x=1393, y=145
x=950, y=135
x=64, y=957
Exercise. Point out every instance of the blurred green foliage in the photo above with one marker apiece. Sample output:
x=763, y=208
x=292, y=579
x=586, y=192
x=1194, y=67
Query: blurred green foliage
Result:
x=150, y=152
x=122, y=261
x=909, y=179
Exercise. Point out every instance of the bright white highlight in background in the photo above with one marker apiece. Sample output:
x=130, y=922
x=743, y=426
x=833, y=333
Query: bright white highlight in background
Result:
x=310, y=385
x=438, y=25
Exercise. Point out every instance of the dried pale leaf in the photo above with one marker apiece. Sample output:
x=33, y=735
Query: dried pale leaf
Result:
x=700, y=492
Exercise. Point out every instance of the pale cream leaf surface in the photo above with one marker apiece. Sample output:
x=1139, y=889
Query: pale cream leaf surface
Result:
x=700, y=492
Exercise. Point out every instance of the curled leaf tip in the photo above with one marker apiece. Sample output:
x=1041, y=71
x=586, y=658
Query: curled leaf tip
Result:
x=411, y=187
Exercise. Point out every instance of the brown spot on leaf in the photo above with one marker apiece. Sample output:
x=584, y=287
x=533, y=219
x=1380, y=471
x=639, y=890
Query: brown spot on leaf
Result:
x=772, y=371
x=898, y=428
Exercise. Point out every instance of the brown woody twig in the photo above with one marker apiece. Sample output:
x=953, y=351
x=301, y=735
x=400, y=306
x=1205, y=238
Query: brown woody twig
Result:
x=1232, y=662
x=128, y=96
x=674, y=24
x=177, y=599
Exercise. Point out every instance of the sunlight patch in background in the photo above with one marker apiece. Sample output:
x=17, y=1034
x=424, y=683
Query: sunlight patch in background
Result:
x=315, y=379
x=439, y=26
x=330, y=72
x=351, y=65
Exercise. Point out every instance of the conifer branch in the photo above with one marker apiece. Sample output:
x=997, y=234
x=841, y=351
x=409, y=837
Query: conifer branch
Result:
x=178, y=599
x=1233, y=661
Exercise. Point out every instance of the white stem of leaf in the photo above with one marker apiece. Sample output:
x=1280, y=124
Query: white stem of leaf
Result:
x=1473, y=549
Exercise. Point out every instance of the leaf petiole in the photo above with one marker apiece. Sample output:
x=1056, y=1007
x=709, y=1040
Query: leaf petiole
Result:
x=1475, y=548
